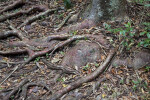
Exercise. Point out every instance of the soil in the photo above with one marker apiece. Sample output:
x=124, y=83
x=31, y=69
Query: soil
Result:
x=37, y=60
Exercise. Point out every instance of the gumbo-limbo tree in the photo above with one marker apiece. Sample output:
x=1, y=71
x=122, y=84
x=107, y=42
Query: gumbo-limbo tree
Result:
x=99, y=10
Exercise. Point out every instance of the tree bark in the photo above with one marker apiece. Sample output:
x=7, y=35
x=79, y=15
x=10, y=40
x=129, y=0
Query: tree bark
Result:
x=99, y=10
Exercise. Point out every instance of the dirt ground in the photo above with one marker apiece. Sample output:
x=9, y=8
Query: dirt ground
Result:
x=30, y=69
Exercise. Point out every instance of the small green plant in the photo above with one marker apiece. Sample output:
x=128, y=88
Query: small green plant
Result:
x=12, y=97
x=62, y=53
x=72, y=33
x=105, y=87
x=121, y=81
x=60, y=16
x=67, y=4
x=147, y=68
x=43, y=17
x=136, y=84
x=146, y=33
x=25, y=58
x=1, y=88
x=127, y=35
x=86, y=67
x=37, y=59
x=144, y=85
x=96, y=65
x=61, y=79
x=47, y=55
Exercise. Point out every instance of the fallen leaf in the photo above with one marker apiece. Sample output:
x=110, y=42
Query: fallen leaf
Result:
x=103, y=95
x=64, y=85
x=102, y=57
x=119, y=72
x=54, y=60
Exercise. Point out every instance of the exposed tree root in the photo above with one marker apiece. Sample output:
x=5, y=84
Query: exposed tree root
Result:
x=16, y=52
x=61, y=25
x=32, y=19
x=88, y=78
x=25, y=88
x=24, y=72
x=39, y=8
x=16, y=89
x=51, y=49
x=19, y=33
x=95, y=87
x=85, y=24
x=56, y=67
x=7, y=34
x=50, y=46
x=13, y=63
x=14, y=5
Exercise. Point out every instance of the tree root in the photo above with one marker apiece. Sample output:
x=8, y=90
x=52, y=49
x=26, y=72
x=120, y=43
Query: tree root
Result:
x=19, y=33
x=14, y=5
x=40, y=8
x=16, y=52
x=32, y=54
x=95, y=87
x=16, y=89
x=24, y=85
x=56, y=67
x=51, y=48
x=25, y=88
x=88, y=78
x=7, y=34
x=32, y=19
x=24, y=72
x=61, y=24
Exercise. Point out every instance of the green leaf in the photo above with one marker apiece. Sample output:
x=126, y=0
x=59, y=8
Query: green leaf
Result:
x=131, y=34
x=107, y=26
x=67, y=3
x=147, y=5
x=135, y=82
x=145, y=45
x=128, y=24
x=142, y=33
x=1, y=88
x=123, y=32
x=148, y=35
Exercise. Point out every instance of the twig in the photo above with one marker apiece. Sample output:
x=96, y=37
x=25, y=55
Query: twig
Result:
x=63, y=22
x=11, y=62
x=9, y=75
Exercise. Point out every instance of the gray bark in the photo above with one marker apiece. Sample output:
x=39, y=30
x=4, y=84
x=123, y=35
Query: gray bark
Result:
x=105, y=9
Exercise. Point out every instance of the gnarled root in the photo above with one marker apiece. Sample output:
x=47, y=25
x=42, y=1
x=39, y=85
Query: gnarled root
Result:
x=88, y=78
x=14, y=5
x=16, y=89
x=40, y=8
